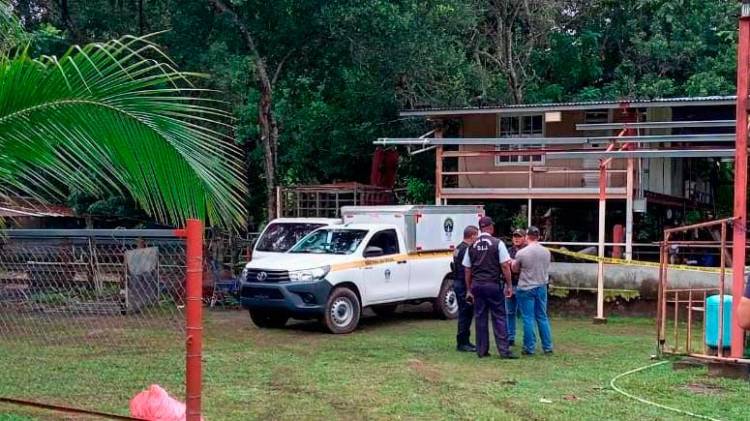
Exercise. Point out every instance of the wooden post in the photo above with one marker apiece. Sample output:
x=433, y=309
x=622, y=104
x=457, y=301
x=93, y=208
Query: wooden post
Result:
x=279, y=206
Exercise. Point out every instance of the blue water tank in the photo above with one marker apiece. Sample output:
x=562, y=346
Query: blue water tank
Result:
x=712, y=321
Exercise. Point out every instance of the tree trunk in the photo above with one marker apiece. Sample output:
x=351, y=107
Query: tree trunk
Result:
x=269, y=131
x=68, y=21
x=269, y=134
x=141, y=18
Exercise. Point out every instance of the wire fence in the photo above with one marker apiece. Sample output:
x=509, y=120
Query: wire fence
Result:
x=88, y=318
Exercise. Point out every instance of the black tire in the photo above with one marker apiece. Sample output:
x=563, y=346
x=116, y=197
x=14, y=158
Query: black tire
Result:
x=445, y=305
x=385, y=310
x=268, y=320
x=342, y=311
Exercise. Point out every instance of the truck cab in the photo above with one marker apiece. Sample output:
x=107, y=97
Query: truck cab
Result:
x=336, y=271
x=283, y=233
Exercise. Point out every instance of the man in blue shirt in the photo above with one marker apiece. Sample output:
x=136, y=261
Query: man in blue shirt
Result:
x=488, y=267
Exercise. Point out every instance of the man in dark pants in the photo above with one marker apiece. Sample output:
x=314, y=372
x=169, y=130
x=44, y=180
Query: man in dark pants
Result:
x=465, y=309
x=511, y=304
x=488, y=265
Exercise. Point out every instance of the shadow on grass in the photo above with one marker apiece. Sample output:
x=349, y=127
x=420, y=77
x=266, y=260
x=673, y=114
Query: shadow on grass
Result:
x=370, y=321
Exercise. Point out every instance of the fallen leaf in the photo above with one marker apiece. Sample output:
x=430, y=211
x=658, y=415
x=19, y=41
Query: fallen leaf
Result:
x=570, y=397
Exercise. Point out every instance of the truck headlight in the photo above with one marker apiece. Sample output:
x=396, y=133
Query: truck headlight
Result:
x=307, y=275
x=243, y=275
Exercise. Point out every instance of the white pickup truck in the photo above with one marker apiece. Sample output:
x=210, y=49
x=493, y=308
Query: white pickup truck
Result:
x=378, y=258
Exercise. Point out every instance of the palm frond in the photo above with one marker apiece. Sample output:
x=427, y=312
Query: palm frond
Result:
x=117, y=117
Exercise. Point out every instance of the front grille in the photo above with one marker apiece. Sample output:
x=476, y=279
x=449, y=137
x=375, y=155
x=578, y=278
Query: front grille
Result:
x=264, y=293
x=271, y=276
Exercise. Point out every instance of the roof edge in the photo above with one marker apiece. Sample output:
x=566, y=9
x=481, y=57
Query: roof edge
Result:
x=573, y=106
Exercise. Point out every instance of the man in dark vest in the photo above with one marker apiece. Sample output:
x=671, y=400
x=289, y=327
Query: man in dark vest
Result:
x=488, y=265
x=465, y=309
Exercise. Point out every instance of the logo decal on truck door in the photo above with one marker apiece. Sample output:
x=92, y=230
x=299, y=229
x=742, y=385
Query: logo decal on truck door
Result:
x=448, y=229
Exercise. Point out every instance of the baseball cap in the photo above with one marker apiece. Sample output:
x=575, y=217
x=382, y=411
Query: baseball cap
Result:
x=519, y=233
x=533, y=231
x=485, y=221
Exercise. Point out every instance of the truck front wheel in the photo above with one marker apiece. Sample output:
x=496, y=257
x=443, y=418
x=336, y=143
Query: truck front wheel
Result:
x=342, y=311
x=445, y=305
x=268, y=320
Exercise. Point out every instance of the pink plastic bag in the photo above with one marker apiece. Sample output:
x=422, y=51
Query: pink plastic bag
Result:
x=155, y=404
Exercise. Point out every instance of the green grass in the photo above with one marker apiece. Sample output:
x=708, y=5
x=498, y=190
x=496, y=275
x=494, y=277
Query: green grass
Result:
x=399, y=368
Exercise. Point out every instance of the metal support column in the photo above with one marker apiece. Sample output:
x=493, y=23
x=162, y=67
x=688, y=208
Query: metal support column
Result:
x=528, y=213
x=600, y=264
x=629, y=211
x=740, y=176
x=439, y=170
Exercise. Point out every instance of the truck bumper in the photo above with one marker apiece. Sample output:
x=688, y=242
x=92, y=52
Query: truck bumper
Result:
x=298, y=299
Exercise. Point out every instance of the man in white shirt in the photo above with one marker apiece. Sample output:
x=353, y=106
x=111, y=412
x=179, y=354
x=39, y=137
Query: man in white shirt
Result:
x=487, y=264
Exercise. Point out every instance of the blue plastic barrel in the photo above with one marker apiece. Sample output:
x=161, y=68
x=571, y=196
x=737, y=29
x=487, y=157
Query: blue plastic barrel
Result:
x=712, y=321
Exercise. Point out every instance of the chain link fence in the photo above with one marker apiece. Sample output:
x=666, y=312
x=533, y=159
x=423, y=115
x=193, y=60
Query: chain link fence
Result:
x=88, y=318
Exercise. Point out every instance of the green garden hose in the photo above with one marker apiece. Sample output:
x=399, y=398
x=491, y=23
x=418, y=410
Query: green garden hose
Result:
x=648, y=402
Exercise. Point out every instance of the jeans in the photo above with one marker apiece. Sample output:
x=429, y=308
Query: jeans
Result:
x=489, y=300
x=533, y=306
x=511, y=309
x=465, y=314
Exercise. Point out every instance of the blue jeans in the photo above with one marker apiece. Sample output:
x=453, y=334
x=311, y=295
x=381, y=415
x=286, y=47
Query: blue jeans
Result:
x=511, y=307
x=533, y=306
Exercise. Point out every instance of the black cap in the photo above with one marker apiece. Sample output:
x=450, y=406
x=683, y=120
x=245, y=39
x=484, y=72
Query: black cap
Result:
x=519, y=233
x=533, y=231
x=485, y=221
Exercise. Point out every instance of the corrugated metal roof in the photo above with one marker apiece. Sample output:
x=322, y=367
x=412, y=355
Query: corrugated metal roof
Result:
x=578, y=105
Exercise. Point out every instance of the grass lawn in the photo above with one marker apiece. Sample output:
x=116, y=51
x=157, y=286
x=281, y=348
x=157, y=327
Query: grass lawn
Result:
x=404, y=367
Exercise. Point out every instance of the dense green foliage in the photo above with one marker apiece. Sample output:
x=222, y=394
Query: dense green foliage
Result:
x=115, y=118
x=346, y=67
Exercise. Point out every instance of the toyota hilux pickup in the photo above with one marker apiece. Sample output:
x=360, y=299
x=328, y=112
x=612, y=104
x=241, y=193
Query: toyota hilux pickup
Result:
x=378, y=258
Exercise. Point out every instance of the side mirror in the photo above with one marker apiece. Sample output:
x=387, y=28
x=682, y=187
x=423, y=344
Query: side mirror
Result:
x=373, y=251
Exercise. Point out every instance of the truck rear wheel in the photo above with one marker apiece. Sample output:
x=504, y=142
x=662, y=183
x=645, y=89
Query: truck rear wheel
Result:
x=342, y=311
x=268, y=320
x=445, y=305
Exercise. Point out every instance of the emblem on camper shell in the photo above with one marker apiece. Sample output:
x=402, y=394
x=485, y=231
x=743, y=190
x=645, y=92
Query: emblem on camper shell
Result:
x=261, y=276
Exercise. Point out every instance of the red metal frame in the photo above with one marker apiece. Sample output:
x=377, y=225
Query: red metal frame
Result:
x=740, y=177
x=676, y=296
x=193, y=234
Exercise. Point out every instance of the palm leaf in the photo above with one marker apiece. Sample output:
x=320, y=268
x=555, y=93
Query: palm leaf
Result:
x=116, y=117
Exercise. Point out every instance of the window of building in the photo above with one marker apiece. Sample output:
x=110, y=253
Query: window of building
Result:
x=596, y=117
x=520, y=126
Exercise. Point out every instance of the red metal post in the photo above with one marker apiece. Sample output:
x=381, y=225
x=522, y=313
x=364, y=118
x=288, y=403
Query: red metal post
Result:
x=740, y=176
x=194, y=310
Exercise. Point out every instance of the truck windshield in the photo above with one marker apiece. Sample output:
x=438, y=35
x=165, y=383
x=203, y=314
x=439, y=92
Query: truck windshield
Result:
x=331, y=241
x=281, y=236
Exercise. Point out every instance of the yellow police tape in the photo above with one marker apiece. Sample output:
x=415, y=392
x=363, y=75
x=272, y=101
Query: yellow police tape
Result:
x=614, y=261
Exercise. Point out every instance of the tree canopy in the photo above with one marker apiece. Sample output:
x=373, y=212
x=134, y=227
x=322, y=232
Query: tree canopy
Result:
x=342, y=69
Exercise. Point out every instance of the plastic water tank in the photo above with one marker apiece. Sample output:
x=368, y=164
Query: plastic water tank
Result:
x=712, y=321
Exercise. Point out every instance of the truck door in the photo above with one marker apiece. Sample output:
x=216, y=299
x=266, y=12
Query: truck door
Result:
x=386, y=277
